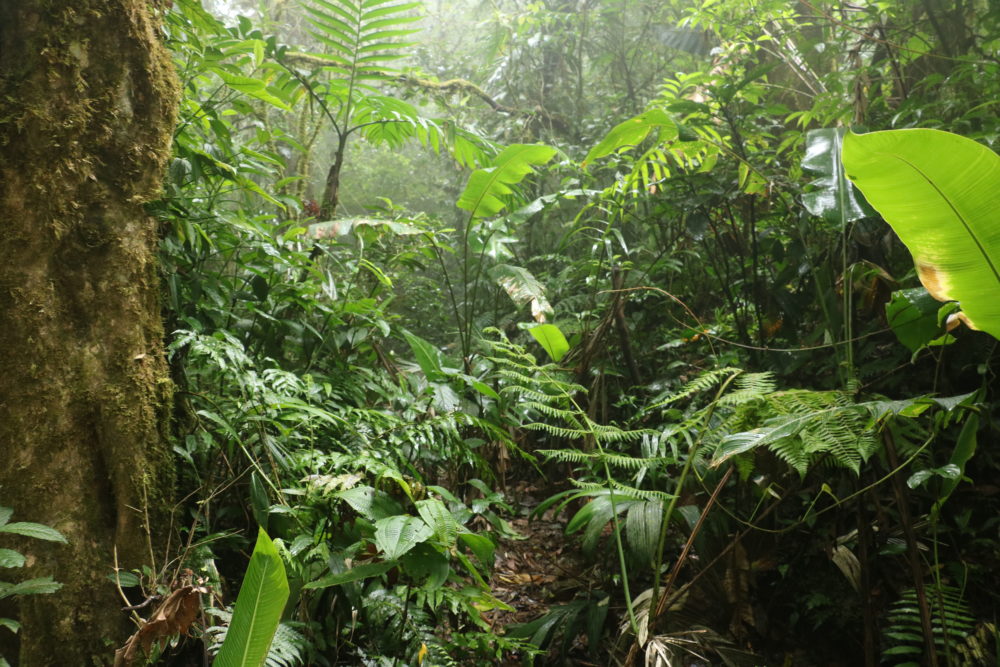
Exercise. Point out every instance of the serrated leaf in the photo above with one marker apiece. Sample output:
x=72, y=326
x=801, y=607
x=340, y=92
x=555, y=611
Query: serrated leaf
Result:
x=35, y=530
x=42, y=585
x=11, y=558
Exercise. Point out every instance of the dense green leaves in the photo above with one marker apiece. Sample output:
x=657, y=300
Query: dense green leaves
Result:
x=346, y=372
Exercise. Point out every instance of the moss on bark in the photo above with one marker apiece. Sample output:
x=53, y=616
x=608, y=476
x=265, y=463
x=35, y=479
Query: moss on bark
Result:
x=87, y=109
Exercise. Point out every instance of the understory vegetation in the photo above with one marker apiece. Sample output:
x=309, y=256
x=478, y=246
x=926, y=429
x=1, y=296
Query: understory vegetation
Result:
x=420, y=259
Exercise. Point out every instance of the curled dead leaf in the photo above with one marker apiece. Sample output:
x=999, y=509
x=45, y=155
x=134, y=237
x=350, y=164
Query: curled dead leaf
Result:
x=174, y=616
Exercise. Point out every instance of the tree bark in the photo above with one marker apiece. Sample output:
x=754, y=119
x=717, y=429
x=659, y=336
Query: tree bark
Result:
x=88, y=102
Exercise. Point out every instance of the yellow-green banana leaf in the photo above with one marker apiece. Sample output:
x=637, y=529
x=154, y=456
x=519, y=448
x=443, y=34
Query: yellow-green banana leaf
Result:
x=941, y=194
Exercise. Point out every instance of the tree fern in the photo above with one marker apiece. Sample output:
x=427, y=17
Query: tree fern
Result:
x=362, y=40
x=361, y=36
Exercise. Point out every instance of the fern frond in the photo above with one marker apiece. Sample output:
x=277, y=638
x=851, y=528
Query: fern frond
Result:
x=700, y=384
x=951, y=618
x=614, y=460
x=625, y=491
x=804, y=425
x=361, y=35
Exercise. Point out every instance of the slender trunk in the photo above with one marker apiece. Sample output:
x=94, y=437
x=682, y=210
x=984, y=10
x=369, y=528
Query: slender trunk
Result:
x=331, y=194
x=88, y=108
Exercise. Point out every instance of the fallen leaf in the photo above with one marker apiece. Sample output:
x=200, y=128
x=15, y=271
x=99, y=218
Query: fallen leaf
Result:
x=174, y=616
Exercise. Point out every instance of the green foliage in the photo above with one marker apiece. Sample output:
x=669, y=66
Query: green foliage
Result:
x=951, y=617
x=360, y=36
x=344, y=380
x=802, y=427
x=485, y=192
x=11, y=559
x=832, y=197
x=288, y=647
x=551, y=339
x=562, y=623
x=258, y=608
x=939, y=191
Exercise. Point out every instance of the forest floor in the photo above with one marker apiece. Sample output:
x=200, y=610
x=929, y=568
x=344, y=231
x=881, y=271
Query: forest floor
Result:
x=542, y=570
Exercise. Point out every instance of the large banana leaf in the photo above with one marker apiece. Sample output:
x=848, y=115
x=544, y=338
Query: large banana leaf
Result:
x=258, y=608
x=941, y=193
x=832, y=198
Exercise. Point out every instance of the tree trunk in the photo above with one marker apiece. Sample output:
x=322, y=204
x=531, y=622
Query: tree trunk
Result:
x=87, y=107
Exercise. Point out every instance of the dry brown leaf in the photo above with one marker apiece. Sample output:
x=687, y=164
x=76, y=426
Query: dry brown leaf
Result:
x=174, y=616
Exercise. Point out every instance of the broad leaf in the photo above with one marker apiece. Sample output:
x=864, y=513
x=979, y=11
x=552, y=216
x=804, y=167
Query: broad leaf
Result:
x=833, y=197
x=940, y=192
x=523, y=288
x=35, y=530
x=29, y=587
x=483, y=195
x=11, y=558
x=396, y=535
x=252, y=87
x=436, y=515
x=913, y=316
x=357, y=573
x=642, y=527
x=480, y=545
x=427, y=356
x=633, y=132
x=373, y=504
x=427, y=565
x=258, y=608
x=552, y=339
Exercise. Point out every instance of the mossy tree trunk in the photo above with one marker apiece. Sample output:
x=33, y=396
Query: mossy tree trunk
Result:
x=87, y=108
